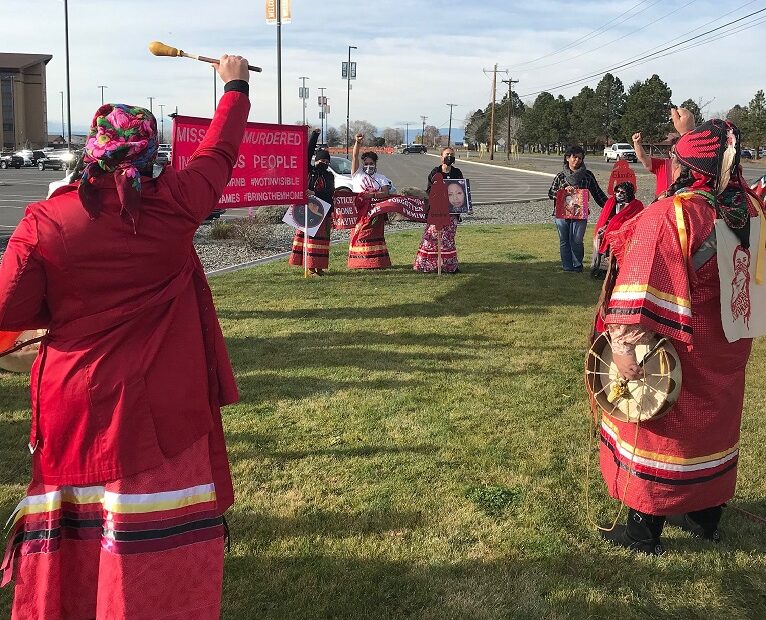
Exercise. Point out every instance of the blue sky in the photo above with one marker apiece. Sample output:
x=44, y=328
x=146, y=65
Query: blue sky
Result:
x=413, y=57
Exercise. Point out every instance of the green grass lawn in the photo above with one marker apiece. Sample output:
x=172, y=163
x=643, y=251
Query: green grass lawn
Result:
x=410, y=446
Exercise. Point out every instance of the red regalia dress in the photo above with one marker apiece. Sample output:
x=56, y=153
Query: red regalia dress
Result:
x=367, y=247
x=318, y=250
x=130, y=477
x=687, y=460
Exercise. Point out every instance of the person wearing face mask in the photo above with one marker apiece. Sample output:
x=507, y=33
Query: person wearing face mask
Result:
x=617, y=210
x=572, y=231
x=367, y=243
x=427, y=257
x=321, y=185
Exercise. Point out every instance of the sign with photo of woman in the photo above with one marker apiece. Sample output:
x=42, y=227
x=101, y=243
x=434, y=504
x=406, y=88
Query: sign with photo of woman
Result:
x=459, y=194
x=572, y=203
x=308, y=217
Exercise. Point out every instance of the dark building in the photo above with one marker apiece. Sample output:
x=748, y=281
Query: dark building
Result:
x=23, y=104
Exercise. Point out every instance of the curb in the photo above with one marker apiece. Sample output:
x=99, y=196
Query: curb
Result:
x=500, y=167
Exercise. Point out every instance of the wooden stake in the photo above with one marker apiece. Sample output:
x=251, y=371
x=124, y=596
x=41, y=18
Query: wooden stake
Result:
x=439, y=252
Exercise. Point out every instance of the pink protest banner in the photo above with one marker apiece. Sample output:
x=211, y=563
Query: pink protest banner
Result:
x=271, y=167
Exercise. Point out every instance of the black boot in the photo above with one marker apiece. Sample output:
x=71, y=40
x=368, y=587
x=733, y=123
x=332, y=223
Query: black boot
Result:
x=701, y=523
x=640, y=533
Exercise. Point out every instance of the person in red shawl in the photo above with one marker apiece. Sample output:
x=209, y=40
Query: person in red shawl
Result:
x=617, y=210
x=130, y=477
x=322, y=184
x=680, y=468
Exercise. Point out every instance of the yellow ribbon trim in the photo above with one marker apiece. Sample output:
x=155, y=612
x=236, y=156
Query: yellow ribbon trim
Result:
x=683, y=237
x=760, y=243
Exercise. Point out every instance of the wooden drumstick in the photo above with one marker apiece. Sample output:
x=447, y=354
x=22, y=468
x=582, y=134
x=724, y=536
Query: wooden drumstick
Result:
x=160, y=49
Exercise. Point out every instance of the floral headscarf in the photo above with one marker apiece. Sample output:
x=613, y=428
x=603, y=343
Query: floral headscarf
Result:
x=123, y=142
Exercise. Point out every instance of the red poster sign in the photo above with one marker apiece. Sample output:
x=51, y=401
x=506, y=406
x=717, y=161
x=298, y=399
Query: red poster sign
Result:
x=621, y=172
x=271, y=167
x=344, y=210
x=438, y=199
x=571, y=203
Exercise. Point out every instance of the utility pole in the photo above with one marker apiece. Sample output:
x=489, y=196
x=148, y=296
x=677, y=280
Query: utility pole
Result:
x=102, y=93
x=510, y=83
x=348, y=98
x=423, y=131
x=151, y=99
x=449, y=131
x=162, y=123
x=492, y=114
x=304, y=96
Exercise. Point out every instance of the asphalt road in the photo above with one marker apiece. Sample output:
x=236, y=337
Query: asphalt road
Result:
x=488, y=183
x=553, y=164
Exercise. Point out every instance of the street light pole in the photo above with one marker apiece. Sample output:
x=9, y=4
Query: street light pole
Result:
x=449, y=131
x=322, y=112
x=348, y=98
x=61, y=92
x=279, y=61
x=68, y=90
x=162, y=123
x=304, y=96
x=102, y=93
x=151, y=99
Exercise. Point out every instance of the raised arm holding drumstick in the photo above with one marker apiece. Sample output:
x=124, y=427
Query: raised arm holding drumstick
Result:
x=131, y=376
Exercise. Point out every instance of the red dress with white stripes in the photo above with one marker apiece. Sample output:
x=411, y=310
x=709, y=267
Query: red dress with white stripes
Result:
x=687, y=460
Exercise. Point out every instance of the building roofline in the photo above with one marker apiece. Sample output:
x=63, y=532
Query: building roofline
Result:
x=22, y=61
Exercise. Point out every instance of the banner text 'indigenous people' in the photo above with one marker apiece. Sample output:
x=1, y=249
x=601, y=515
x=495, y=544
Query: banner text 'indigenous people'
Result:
x=270, y=168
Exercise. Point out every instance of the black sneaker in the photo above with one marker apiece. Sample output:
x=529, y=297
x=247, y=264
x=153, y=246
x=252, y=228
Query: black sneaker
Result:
x=687, y=524
x=619, y=536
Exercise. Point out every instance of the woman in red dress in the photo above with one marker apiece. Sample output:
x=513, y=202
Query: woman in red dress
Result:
x=682, y=467
x=130, y=478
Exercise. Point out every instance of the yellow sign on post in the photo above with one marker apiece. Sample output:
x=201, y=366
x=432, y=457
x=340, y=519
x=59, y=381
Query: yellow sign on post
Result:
x=271, y=11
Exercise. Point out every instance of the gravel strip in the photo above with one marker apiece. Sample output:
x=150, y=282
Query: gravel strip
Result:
x=277, y=238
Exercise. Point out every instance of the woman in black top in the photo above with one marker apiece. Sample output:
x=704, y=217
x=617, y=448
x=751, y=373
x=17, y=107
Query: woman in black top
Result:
x=571, y=231
x=428, y=252
x=321, y=185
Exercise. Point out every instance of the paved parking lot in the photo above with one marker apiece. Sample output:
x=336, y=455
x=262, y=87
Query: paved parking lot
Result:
x=17, y=189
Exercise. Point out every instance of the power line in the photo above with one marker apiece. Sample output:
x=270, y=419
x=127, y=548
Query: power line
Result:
x=652, y=56
x=621, y=37
x=577, y=41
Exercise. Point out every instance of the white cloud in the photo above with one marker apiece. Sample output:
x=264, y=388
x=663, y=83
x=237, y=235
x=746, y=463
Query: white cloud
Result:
x=413, y=57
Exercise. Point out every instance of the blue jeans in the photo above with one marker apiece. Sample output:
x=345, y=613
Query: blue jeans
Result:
x=571, y=233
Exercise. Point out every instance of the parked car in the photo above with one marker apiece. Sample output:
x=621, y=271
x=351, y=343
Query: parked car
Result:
x=341, y=170
x=163, y=155
x=11, y=160
x=49, y=161
x=27, y=156
x=620, y=150
x=748, y=154
x=413, y=148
